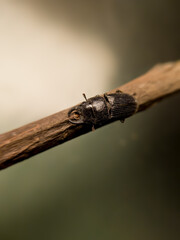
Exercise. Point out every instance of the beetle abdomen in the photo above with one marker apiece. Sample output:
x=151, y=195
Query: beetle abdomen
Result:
x=122, y=105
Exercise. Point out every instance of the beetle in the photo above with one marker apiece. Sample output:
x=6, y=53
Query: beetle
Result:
x=99, y=110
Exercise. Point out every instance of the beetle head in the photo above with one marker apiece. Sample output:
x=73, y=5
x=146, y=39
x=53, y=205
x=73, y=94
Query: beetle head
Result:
x=75, y=115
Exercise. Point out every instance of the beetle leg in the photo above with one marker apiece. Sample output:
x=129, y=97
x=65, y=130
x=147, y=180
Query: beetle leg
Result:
x=108, y=104
x=105, y=96
x=93, y=128
x=118, y=91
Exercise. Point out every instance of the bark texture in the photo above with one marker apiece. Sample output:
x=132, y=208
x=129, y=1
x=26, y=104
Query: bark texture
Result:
x=33, y=138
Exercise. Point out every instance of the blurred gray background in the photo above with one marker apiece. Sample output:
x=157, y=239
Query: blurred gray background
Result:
x=119, y=182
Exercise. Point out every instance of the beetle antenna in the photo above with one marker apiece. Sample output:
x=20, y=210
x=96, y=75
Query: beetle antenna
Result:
x=84, y=95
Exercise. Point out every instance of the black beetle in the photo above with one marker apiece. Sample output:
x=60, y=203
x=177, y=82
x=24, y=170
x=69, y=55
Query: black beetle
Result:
x=101, y=109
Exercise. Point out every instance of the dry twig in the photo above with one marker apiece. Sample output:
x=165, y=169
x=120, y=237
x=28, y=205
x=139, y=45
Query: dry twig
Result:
x=36, y=137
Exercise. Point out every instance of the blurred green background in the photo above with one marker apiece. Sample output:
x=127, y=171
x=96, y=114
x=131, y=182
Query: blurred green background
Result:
x=119, y=182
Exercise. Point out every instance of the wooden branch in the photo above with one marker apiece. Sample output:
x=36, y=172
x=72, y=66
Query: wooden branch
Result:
x=36, y=137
